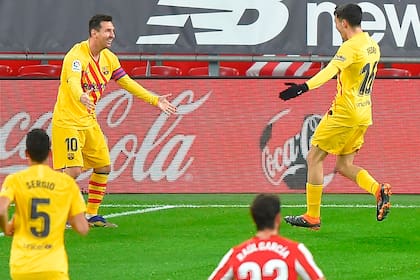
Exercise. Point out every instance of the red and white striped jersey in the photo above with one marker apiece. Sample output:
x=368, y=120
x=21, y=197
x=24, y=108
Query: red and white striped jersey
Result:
x=276, y=258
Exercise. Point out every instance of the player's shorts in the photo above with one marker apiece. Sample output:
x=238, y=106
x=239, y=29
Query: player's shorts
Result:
x=47, y=275
x=336, y=139
x=85, y=148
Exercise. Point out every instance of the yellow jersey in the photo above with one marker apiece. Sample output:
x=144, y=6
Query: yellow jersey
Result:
x=81, y=73
x=357, y=61
x=44, y=199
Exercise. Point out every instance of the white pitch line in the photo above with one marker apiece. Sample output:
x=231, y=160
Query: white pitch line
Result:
x=158, y=207
x=245, y=206
x=139, y=211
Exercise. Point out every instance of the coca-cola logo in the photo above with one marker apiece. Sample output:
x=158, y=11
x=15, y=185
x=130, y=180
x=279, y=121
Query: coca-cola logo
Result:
x=169, y=147
x=287, y=163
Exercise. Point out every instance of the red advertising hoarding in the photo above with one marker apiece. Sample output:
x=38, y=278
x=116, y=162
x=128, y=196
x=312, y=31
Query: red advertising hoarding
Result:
x=231, y=135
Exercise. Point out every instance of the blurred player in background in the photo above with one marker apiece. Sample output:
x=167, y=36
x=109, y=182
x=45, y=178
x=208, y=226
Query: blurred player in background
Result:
x=77, y=139
x=44, y=200
x=267, y=255
x=342, y=129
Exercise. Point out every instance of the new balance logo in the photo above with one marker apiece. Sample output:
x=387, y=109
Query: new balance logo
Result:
x=244, y=22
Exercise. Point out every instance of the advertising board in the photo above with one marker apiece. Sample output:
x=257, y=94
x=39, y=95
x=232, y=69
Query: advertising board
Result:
x=231, y=135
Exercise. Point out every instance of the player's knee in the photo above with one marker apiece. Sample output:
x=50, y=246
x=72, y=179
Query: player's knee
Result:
x=341, y=168
x=73, y=171
x=103, y=170
x=310, y=158
x=315, y=156
x=313, y=159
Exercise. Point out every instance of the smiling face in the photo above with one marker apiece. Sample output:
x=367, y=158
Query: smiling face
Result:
x=104, y=36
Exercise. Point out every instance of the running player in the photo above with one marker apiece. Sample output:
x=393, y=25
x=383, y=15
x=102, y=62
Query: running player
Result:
x=342, y=129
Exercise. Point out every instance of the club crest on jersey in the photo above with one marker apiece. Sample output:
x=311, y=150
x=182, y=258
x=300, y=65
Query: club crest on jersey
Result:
x=70, y=156
x=76, y=66
x=105, y=70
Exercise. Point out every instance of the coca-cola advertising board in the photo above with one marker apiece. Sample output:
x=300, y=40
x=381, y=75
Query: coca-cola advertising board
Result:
x=230, y=136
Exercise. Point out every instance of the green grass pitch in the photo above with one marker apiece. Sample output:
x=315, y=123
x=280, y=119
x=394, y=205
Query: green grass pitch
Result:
x=180, y=236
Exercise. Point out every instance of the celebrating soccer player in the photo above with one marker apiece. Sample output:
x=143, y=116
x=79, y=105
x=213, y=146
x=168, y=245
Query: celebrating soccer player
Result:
x=77, y=139
x=343, y=127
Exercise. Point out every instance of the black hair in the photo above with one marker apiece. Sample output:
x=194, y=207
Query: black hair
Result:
x=264, y=209
x=38, y=145
x=95, y=21
x=350, y=12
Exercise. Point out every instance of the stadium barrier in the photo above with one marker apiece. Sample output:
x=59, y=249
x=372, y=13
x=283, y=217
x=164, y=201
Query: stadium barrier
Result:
x=231, y=135
x=279, y=65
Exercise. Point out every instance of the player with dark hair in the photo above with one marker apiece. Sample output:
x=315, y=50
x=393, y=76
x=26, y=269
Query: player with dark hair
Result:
x=342, y=129
x=44, y=200
x=267, y=255
x=78, y=141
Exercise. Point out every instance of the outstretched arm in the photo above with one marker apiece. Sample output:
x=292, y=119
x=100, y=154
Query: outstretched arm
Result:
x=323, y=76
x=165, y=105
x=136, y=89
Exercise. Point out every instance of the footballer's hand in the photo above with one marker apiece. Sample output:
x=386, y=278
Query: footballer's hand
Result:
x=10, y=227
x=165, y=105
x=294, y=90
x=86, y=100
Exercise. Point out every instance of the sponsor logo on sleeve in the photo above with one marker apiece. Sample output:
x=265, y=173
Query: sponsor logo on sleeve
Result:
x=76, y=66
x=340, y=58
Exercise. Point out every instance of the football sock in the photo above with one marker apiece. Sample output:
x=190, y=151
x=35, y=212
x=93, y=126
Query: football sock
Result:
x=367, y=182
x=313, y=200
x=96, y=192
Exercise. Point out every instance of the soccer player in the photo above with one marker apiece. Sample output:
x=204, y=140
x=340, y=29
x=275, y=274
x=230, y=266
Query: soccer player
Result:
x=44, y=200
x=77, y=139
x=267, y=255
x=342, y=129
